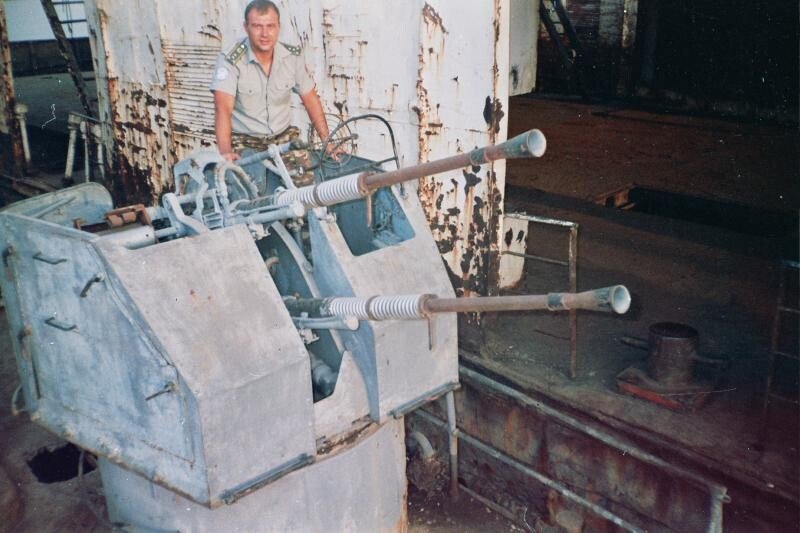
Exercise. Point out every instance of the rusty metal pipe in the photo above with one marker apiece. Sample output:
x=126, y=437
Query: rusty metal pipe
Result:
x=73, y=137
x=573, y=315
x=615, y=299
x=418, y=439
x=719, y=497
x=452, y=443
x=532, y=143
x=21, y=110
x=538, y=476
x=717, y=492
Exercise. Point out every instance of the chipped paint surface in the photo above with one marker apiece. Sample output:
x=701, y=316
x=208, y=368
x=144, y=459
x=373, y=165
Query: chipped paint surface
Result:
x=428, y=67
x=191, y=109
x=132, y=97
x=522, y=53
x=515, y=240
x=458, y=73
x=8, y=122
x=153, y=80
x=6, y=82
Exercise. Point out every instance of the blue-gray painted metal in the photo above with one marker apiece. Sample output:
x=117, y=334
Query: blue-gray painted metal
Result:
x=395, y=358
x=178, y=360
x=209, y=327
x=361, y=488
x=87, y=201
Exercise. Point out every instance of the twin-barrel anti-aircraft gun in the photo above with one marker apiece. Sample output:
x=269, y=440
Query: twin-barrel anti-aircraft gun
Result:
x=245, y=338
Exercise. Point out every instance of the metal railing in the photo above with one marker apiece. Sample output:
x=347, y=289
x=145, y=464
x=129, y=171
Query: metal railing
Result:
x=716, y=492
x=571, y=264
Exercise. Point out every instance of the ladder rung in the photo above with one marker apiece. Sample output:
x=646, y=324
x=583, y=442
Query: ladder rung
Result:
x=72, y=21
x=792, y=310
x=67, y=2
x=788, y=355
x=783, y=398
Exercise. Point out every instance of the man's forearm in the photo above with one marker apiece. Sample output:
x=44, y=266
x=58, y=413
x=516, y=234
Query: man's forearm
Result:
x=313, y=107
x=223, y=110
x=222, y=127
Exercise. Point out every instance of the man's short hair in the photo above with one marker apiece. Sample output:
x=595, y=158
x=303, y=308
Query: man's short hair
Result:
x=262, y=6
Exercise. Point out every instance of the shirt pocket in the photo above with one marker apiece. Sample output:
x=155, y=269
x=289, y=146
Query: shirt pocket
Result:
x=250, y=95
x=280, y=92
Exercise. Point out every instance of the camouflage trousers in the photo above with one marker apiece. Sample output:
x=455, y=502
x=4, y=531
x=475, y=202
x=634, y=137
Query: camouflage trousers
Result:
x=298, y=162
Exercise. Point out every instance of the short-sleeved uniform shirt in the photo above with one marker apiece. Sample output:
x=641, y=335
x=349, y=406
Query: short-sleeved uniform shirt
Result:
x=262, y=100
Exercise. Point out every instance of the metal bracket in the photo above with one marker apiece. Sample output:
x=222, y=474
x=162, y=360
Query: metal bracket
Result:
x=24, y=333
x=7, y=253
x=345, y=323
x=368, y=201
x=185, y=223
x=14, y=399
x=39, y=256
x=401, y=411
x=96, y=279
x=232, y=495
x=63, y=326
x=431, y=332
x=169, y=387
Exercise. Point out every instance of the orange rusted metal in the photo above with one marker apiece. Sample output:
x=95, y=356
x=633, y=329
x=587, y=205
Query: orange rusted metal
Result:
x=9, y=102
x=123, y=216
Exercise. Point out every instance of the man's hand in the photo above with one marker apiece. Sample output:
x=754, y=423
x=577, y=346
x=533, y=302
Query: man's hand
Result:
x=333, y=149
x=230, y=157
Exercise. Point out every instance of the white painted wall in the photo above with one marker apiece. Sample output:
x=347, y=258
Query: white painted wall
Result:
x=27, y=21
x=433, y=69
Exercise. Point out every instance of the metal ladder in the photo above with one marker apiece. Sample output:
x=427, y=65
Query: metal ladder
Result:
x=778, y=348
x=65, y=47
x=69, y=3
x=575, y=59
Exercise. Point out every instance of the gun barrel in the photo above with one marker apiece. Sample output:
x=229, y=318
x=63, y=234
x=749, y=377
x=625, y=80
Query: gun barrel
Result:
x=614, y=299
x=532, y=143
x=529, y=144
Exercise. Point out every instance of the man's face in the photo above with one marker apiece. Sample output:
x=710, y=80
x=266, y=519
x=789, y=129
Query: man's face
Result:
x=262, y=29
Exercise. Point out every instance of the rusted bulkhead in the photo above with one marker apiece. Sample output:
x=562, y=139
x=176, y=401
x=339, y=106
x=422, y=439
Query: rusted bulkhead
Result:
x=648, y=482
x=440, y=76
x=11, y=155
x=632, y=490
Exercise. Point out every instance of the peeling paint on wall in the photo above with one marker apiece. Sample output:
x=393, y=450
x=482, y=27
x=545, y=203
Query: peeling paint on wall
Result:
x=461, y=206
x=158, y=107
x=191, y=112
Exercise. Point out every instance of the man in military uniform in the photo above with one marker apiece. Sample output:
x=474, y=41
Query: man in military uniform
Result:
x=252, y=86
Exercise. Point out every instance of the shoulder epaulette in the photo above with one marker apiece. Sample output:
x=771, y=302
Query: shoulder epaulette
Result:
x=236, y=53
x=294, y=50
